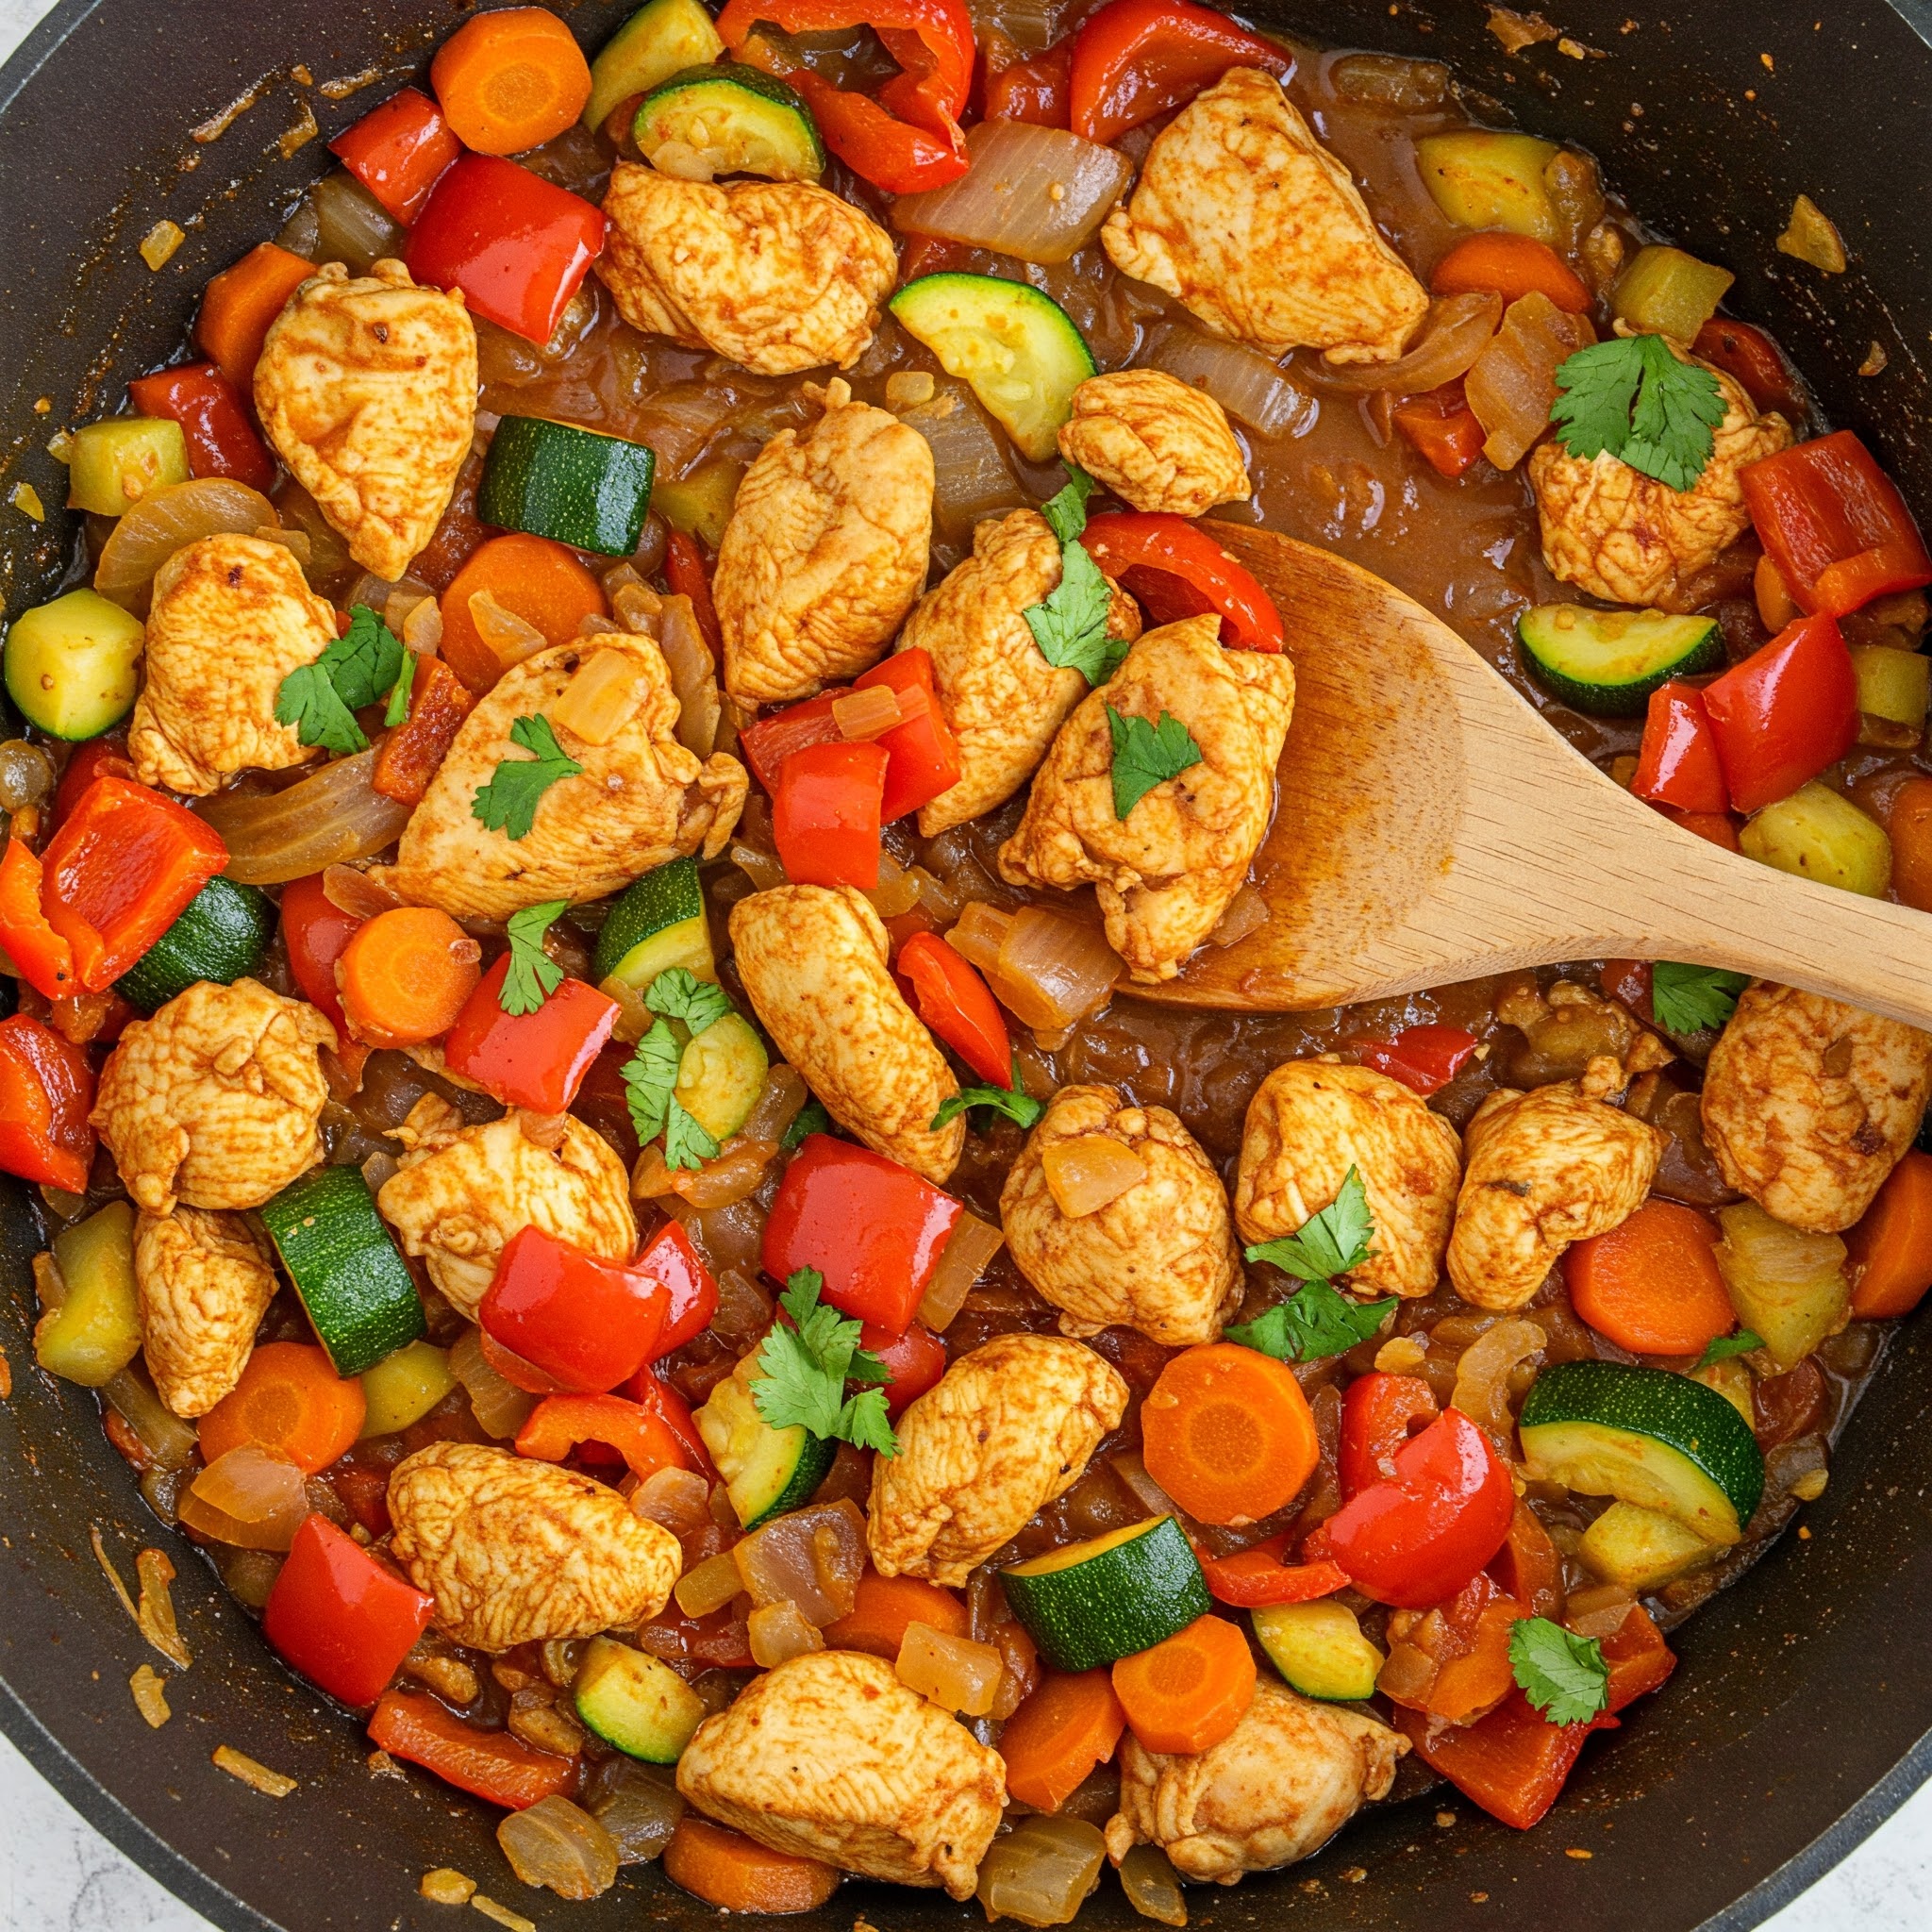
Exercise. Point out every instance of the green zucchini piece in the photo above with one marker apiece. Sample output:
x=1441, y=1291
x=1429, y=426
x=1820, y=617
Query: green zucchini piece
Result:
x=574, y=485
x=741, y=120
x=653, y=44
x=113, y=465
x=1820, y=834
x=95, y=1332
x=636, y=1703
x=1664, y=292
x=1320, y=1649
x=358, y=1291
x=1607, y=663
x=221, y=934
x=1090, y=1603
x=767, y=1472
x=700, y=505
x=1642, y=1549
x=660, y=921
x=1483, y=179
x=403, y=1387
x=720, y=1074
x=1018, y=349
x=69, y=664
x=1787, y=1285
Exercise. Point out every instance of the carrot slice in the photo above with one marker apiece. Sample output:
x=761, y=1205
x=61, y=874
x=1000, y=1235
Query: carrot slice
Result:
x=1652, y=1285
x=1187, y=1694
x=290, y=1402
x=885, y=1605
x=1513, y=266
x=541, y=582
x=241, y=301
x=727, y=1869
x=405, y=976
x=1226, y=1432
x=510, y=80
x=1069, y=1725
x=1890, y=1258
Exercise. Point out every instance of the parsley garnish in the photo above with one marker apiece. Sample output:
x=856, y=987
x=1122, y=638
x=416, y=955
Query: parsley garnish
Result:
x=686, y=1142
x=1070, y=623
x=810, y=1119
x=320, y=699
x=1633, y=397
x=807, y=1367
x=1065, y=510
x=509, y=802
x=1563, y=1674
x=678, y=993
x=1316, y=1320
x=649, y=1076
x=1012, y=1101
x=1146, y=755
x=1742, y=1342
x=533, y=974
x=1687, y=999
x=400, y=693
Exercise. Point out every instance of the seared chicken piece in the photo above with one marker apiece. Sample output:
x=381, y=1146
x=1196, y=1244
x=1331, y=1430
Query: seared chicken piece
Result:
x=204, y=1282
x=368, y=390
x=826, y=551
x=1242, y=213
x=639, y=801
x=1311, y=1122
x=813, y=962
x=1161, y=1258
x=1290, y=1774
x=1809, y=1102
x=829, y=1755
x=214, y=1100
x=232, y=617
x=1165, y=874
x=461, y=1193
x=1002, y=698
x=1005, y=1430
x=516, y=1550
x=778, y=276
x=1156, y=443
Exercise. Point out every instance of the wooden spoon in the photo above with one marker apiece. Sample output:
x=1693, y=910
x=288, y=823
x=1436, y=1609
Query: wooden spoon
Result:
x=1430, y=828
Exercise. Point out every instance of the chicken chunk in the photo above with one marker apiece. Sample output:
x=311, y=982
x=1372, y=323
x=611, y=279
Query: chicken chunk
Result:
x=516, y=1550
x=813, y=962
x=1288, y=1776
x=1622, y=536
x=204, y=1282
x=1002, y=698
x=1541, y=1169
x=639, y=801
x=1809, y=1102
x=829, y=1755
x=461, y=1193
x=1007, y=1429
x=826, y=551
x=1311, y=1121
x=1242, y=213
x=368, y=390
x=1159, y=1257
x=215, y=1100
x=1165, y=874
x=777, y=275
x=1156, y=443
x=232, y=617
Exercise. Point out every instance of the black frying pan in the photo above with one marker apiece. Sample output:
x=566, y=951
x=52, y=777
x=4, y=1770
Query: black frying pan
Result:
x=1798, y=1717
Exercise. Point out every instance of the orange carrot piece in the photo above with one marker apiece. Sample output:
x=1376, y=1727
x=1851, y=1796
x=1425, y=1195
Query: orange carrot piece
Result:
x=1910, y=822
x=510, y=80
x=1652, y=1285
x=541, y=582
x=241, y=301
x=411, y=753
x=1188, y=1694
x=1226, y=1432
x=290, y=1402
x=885, y=1605
x=1468, y=1686
x=1890, y=1258
x=1513, y=266
x=405, y=976
x=727, y=1869
x=1068, y=1726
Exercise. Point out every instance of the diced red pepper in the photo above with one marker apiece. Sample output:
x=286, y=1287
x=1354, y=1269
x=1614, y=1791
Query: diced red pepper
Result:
x=922, y=754
x=47, y=1093
x=1037, y=90
x=515, y=1370
x=517, y=246
x=340, y=1618
x=214, y=422
x=1512, y=1762
x=1378, y=1415
x=1136, y=58
x=399, y=151
x=491, y=1765
x=1677, y=762
x=1714, y=826
x=826, y=814
x=641, y=1436
x=1261, y=1576
x=1639, y=1659
x=1178, y=569
x=538, y=1059
x=586, y=1323
x=414, y=751
x=1529, y=1567
x=1785, y=713
x=690, y=1293
x=1443, y=429
x=99, y=757
x=1755, y=361
x=873, y=1228
x=685, y=572
x=655, y=1395
x=41, y=955
x=959, y=1006
x=317, y=932
x=1423, y=1057
x=767, y=741
x=914, y=1362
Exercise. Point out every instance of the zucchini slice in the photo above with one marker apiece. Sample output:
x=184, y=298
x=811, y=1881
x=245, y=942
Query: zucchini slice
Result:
x=1018, y=349
x=95, y=1332
x=1320, y=1649
x=767, y=1472
x=113, y=465
x=1647, y=1437
x=1820, y=834
x=1481, y=178
x=1642, y=1549
x=403, y=1387
x=69, y=664
x=720, y=1074
x=221, y=935
x=741, y=120
x=652, y=46
x=636, y=1703
x=1607, y=663
x=658, y=922
x=574, y=485
x=1088, y=1604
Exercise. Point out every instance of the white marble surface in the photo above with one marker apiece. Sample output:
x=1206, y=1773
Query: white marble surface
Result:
x=59, y=1874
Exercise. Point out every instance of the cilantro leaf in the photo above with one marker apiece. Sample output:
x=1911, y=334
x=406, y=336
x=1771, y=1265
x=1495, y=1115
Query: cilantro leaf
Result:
x=1065, y=510
x=810, y=1119
x=1010, y=1101
x=400, y=693
x=1070, y=623
x=1327, y=1244
x=1633, y=397
x=649, y=1075
x=533, y=974
x=1742, y=1342
x=509, y=802
x=311, y=704
x=686, y=1142
x=1146, y=755
x=678, y=993
x=1687, y=999
x=1563, y=1674
x=864, y=1424
x=807, y=1365
x=366, y=662
x=355, y=670
x=1312, y=1322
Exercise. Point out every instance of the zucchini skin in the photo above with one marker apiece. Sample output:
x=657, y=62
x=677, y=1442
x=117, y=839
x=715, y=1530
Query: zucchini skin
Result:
x=1679, y=647
x=1124, y=1599
x=574, y=486
x=221, y=934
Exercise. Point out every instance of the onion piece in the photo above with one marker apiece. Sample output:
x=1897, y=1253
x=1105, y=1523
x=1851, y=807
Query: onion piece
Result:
x=1247, y=911
x=868, y=713
x=423, y=627
x=172, y=1442
x=1392, y=82
x=1512, y=383
x=326, y=820
x=1243, y=381
x=1042, y=1870
x=638, y=1805
x=556, y=1844
x=351, y=226
x=761, y=868
x=693, y=675
x=971, y=1247
x=897, y=891
x=954, y=1673
x=972, y=476
x=247, y=1497
x=737, y=1170
x=1052, y=972
x=709, y=1586
x=500, y=1407
x=1147, y=1875
x=602, y=698
x=1455, y=334
x=810, y=1557
x=1087, y=1170
x=169, y=520
x=351, y=891
x=510, y=637
x=779, y=1102
x=1482, y=1371
x=1600, y=1609
x=680, y=1499
x=777, y=1632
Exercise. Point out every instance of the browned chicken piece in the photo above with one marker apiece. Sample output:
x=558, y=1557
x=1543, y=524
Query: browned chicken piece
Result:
x=517, y=1551
x=214, y=1101
x=1808, y=1103
x=1311, y=1121
x=777, y=275
x=1003, y=1432
x=825, y=552
x=1000, y=695
x=1541, y=1169
x=1156, y=443
x=1166, y=872
x=829, y=1756
x=1159, y=1257
x=368, y=390
x=640, y=799
x=1288, y=1776
x=204, y=1282
x=1242, y=213
x=461, y=1193
x=813, y=961
x=232, y=617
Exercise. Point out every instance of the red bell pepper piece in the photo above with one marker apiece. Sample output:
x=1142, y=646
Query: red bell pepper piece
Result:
x=585, y=1322
x=1714, y=826
x=826, y=814
x=641, y=1436
x=47, y=1093
x=1512, y=1762
x=873, y=1228
x=399, y=151
x=1136, y=58
x=1751, y=357
x=41, y=955
x=1037, y=90
x=1378, y=1416
x=1835, y=524
x=412, y=753
x=99, y=757
x=691, y=1292
x=1639, y=1659
x=1443, y=429
x=959, y=1006
x=339, y=1617
x=538, y=1059
x=654, y=1395
x=769, y=742
x=517, y=246
x=1425, y=1059
x=914, y=1362
x=921, y=755
x=1178, y=569
x=1785, y=713
x=1677, y=762
x=317, y=932
x=487, y=1764
x=685, y=572
x=1529, y=1567
x=1261, y=1576
x=214, y=422
x=119, y=873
